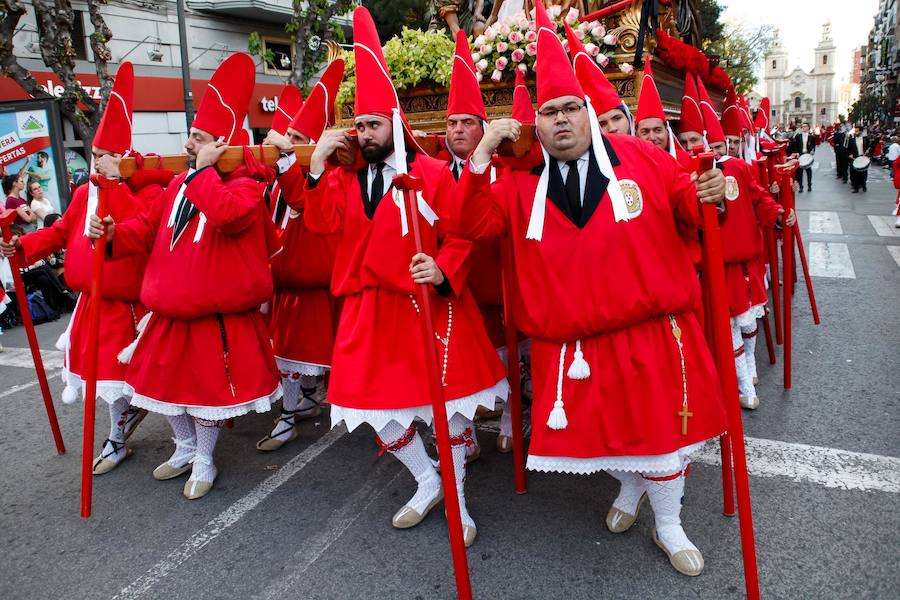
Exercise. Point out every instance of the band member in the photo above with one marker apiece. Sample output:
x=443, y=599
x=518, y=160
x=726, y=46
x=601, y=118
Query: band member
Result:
x=607, y=292
x=121, y=308
x=858, y=145
x=803, y=142
x=377, y=367
x=204, y=353
x=303, y=312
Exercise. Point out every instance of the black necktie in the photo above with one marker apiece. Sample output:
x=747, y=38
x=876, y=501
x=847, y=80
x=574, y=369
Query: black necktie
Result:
x=457, y=169
x=377, y=189
x=185, y=211
x=573, y=191
x=280, y=207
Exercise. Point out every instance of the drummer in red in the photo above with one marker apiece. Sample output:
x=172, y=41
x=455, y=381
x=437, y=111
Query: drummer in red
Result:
x=623, y=380
x=748, y=206
x=378, y=375
x=303, y=311
x=204, y=353
x=121, y=308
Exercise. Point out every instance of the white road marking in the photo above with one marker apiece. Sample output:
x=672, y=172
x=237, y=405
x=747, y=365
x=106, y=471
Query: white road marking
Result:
x=312, y=549
x=231, y=515
x=18, y=388
x=829, y=467
x=884, y=225
x=895, y=252
x=830, y=259
x=21, y=357
x=821, y=221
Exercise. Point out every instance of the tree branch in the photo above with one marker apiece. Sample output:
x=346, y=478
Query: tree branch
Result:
x=13, y=11
x=102, y=53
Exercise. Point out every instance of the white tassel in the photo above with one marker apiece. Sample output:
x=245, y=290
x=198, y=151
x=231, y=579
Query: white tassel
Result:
x=62, y=342
x=127, y=352
x=69, y=395
x=579, y=369
x=558, y=418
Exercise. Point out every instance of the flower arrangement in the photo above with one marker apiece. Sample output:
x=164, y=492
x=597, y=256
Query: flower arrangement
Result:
x=512, y=43
x=684, y=57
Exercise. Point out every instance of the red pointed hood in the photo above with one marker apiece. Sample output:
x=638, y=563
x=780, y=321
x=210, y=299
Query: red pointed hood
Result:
x=114, y=132
x=465, y=92
x=649, y=104
x=227, y=96
x=691, y=117
x=555, y=77
x=732, y=117
x=593, y=81
x=289, y=101
x=762, y=115
x=713, y=131
x=317, y=112
x=522, y=109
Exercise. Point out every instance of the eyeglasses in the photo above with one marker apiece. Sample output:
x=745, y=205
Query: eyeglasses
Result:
x=568, y=111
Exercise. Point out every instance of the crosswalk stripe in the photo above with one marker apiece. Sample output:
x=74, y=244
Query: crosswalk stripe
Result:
x=830, y=259
x=884, y=225
x=895, y=253
x=21, y=357
x=824, y=221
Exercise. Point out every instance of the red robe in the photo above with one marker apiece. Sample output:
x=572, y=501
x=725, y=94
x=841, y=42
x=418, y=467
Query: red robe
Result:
x=206, y=348
x=304, y=314
x=378, y=356
x=747, y=207
x=613, y=286
x=121, y=308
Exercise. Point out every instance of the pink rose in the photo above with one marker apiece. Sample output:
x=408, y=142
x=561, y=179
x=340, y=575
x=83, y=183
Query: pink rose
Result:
x=523, y=68
x=482, y=64
x=592, y=49
x=480, y=40
x=579, y=34
x=531, y=36
x=532, y=25
x=501, y=63
x=518, y=55
x=531, y=49
x=502, y=47
x=496, y=76
x=485, y=49
x=522, y=22
x=572, y=16
x=626, y=68
x=610, y=40
x=490, y=33
x=598, y=32
x=565, y=44
x=602, y=59
x=503, y=29
x=478, y=76
x=554, y=11
x=515, y=37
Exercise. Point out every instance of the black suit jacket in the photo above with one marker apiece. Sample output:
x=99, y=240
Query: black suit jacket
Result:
x=799, y=147
x=853, y=152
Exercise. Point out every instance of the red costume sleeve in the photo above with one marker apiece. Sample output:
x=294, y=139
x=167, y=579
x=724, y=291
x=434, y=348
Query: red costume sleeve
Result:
x=143, y=178
x=231, y=208
x=136, y=235
x=293, y=182
x=43, y=242
x=325, y=202
x=484, y=213
x=454, y=251
x=682, y=194
x=767, y=210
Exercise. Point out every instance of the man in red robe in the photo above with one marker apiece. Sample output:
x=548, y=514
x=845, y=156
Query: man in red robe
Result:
x=607, y=292
x=121, y=308
x=203, y=354
x=303, y=315
x=377, y=367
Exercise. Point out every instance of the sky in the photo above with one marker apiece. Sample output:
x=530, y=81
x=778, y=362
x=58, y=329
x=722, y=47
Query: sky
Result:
x=800, y=23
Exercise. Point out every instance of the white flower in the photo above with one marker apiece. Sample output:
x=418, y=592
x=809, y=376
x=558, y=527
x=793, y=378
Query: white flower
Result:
x=503, y=30
x=571, y=16
x=478, y=76
x=554, y=11
x=610, y=40
x=602, y=59
x=482, y=64
x=598, y=32
x=496, y=76
x=626, y=68
x=485, y=49
x=522, y=21
x=479, y=40
x=475, y=57
x=523, y=68
x=490, y=33
x=592, y=49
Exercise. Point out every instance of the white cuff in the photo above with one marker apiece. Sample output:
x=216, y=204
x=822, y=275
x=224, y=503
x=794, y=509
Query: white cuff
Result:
x=284, y=163
x=478, y=169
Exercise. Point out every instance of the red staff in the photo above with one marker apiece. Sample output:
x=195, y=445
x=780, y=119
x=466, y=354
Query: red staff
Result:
x=409, y=185
x=714, y=272
x=772, y=258
x=6, y=219
x=512, y=371
x=786, y=171
x=90, y=388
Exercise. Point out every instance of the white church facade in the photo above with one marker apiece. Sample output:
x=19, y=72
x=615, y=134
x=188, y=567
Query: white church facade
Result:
x=795, y=95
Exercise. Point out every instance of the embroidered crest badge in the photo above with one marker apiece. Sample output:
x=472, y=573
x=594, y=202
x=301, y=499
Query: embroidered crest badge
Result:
x=732, y=191
x=634, y=201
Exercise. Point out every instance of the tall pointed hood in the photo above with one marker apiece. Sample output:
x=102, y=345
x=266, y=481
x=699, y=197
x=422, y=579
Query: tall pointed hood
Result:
x=114, y=132
x=226, y=99
x=713, y=129
x=317, y=113
x=289, y=101
x=691, y=117
x=591, y=77
x=762, y=115
x=465, y=92
x=649, y=103
x=522, y=109
x=555, y=77
x=733, y=122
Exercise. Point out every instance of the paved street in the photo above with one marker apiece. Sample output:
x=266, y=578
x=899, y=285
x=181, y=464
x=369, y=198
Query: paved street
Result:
x=313, y=521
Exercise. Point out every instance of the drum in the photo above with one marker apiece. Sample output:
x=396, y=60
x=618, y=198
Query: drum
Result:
x=806, y=161
x=860, y=163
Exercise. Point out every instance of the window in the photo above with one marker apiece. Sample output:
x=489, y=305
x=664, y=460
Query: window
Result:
x=797, y=102
x=282, y=59
x=825, y=60
x=78, y=36
x=774, y=64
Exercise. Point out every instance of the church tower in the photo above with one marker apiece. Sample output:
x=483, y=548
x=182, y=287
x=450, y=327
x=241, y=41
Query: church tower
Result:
x=824, y=73
x=775, y=71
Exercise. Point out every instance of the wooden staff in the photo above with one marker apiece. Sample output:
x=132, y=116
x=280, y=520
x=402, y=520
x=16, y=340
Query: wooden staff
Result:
x=768, y=174
x=512, y=371
x=772, y=259
x=786, y=172
x=6, y=219
x=409, y=185
x=809, y=287
x=93, y=343
x=714, y=270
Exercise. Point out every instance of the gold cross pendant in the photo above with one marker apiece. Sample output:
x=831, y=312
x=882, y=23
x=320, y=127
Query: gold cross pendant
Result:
x=684, y=414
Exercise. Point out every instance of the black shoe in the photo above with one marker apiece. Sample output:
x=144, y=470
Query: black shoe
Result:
x=809, y=189
x=864, y=189
x=800, y=191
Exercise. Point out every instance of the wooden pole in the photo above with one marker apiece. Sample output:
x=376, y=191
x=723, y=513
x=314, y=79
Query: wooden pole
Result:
x=809, y=287
x=409, y=185
x=787, y=257
x=512, y=372
x=6, y=219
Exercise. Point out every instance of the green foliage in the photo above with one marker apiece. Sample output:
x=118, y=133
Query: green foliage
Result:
x=740, y=50
x=870, y=107
x=255, y=48
x=412, y=58
x=713, y=29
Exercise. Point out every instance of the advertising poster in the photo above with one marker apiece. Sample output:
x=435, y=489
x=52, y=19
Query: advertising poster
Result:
x=31, y=144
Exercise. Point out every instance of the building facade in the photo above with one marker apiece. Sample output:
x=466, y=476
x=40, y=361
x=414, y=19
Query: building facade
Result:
x=796, y=95
x=880, y=63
